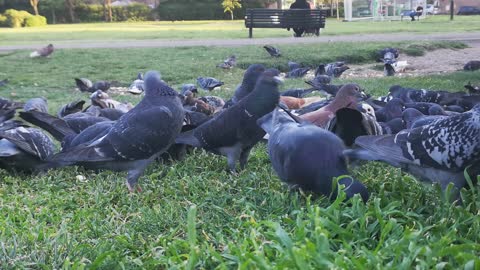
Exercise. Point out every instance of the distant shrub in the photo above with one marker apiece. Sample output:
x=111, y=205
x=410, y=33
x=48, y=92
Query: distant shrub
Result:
x=16, y=18
x=95, y=13
x=35, y=20
x=3, y=21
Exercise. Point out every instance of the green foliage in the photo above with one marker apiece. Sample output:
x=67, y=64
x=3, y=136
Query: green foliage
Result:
x=16, y=18
x=37, y=20
x=230, y=5
x=133, y=12
x=193, y=215
x=3, y=20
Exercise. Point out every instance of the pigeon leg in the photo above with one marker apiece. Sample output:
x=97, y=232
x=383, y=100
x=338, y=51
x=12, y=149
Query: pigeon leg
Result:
x=233, y=154
x=133, y=175
x=244, y=157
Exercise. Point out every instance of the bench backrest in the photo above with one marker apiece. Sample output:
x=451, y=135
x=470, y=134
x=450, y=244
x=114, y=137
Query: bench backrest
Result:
x=284, y=18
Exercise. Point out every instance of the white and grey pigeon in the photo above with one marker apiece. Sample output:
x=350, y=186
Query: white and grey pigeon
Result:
x=137, y=86
x=209, y=83
x=274, y=52
x=438, y=152
x=228, y=63
x=137, y=138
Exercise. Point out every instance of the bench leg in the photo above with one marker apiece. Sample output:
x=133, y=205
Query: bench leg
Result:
x=250, y=32
x=317, y=32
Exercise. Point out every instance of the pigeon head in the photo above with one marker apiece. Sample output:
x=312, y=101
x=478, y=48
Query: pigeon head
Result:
x=320, y=70
x=252, y=74
x=154, y=86
x=410, y=115
x=395, y=107
x=367, y=109
x=348, y=96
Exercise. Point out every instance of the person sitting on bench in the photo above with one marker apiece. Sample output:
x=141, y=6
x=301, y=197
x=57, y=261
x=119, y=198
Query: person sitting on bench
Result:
x=417, y=13
x=299, y=4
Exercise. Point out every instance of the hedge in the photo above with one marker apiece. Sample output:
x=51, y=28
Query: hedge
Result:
x=35, y=20
x=95, y=13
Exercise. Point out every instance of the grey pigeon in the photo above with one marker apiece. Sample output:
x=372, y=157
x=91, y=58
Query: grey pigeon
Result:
x=209, y=83
x=36, y=104
x=319, y=80
x=438, y=152
x=393, y=126
x=274, y=52
x=137, y=138
x=8, y=109
x=388, y=70
x=334, y=69
x=228, y=63
x=298, y=93
x=43, y=52
x=189, y=87
x=297, y=72
x=387, y=53
x=413, y=118
x=24, y=149
x=137, y=86
x=293, y=65
x=472, y=65
x=86, y=85
x=393, y=109
x=72, y=107
x=249, y=80
x=306, y=156
x=234, y=131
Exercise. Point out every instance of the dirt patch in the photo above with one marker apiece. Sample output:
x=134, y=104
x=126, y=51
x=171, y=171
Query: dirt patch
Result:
x=433, y=62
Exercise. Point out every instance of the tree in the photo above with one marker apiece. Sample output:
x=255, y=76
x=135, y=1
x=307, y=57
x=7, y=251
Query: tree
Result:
x=52, y=5
x=107, y=10
x=230, y=5
x=34, y=4
x=70, y=5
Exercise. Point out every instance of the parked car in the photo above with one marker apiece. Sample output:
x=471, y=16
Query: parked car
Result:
x=468, y=10
x=431, y=9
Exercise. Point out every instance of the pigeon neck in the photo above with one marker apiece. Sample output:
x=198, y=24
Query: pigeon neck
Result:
x=163, y=90
x=262, y=100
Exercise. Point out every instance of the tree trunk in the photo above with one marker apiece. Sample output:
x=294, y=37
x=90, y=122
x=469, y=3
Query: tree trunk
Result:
x=231, y=15
x=34, y=4
x=279, y=4
x=109, y=9
x=331, y=8
x=71, y=11
x=54, y=16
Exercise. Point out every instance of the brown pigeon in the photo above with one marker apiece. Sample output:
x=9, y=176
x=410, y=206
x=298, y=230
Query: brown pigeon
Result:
x=43, y=52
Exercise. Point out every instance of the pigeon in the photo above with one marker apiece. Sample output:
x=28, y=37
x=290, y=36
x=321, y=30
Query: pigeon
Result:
x=319, y=81
x=293, y=65
x=72, y=107
x=393, y=109
x=249, y=80
x=388, y=70
x=24, y=149
x=422, y=95
x=298, y=93
x=228, y=63
x=43, y=52
x=3, y=82
x=313, y=107
x=393, y=126
x=306, y=156
x=137, y=138
x=472, y=90
x=234, y=131
x=103, y=100
x=217, y=103
x=389, y=58
x=36, y=104
x=274, y=52
x=334, y=69
x=189, y=87
x=197, y=105
x=88, y=135
x=455, y=108
x=297, y=72
x=327, y=89
x=8, y=109
x=387, y=53
x=85, y=85
x=347, y=97
x=413, y=118
x=472, y=65
x=137, y=86
x=438, y=152
x=209, y=83
x=297, y=103
x=348, y=124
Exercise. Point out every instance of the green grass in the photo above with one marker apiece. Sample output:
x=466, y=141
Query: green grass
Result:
x=194, y=215
x=220, y=29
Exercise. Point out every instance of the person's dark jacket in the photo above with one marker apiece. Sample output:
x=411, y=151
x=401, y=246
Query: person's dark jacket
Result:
x=300, y=4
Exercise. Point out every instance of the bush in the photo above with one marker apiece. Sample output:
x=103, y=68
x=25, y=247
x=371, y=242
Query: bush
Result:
x=35, y=20
x=16, y=18
x=3, y=21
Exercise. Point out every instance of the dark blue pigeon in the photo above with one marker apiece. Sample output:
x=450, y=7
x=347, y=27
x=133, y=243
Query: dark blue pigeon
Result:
x=393, y=126
x=388, y=70
x=209, y=83
x=387, y=53
x=250, y=78
x=393, y=109
x=439, y=152
x=293, y=65
x=455, y=108
x=472, y=65
x=308, y=157
x=298, y=93
x=274, y=52
x=297, y=73
x=3, y=82
x=72, y=107
x=472, y=89
x=234, y=131
x=137, y=138
x=413, y=118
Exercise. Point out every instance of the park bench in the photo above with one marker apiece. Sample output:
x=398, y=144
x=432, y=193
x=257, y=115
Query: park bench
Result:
x=310, y=19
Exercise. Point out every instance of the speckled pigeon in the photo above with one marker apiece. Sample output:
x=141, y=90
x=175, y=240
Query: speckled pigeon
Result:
x=137, y=138
x=209, y=83
x=438, y=152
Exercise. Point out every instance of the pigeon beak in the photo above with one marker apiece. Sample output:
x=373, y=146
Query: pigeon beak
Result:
x=278, y=79
x=361, y=96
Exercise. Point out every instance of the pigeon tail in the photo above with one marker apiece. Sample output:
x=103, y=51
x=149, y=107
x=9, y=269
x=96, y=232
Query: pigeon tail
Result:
x=188, y=138
x=57, y=127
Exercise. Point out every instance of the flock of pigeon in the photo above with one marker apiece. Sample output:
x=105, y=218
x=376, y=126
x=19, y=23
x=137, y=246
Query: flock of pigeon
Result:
x=433, y=135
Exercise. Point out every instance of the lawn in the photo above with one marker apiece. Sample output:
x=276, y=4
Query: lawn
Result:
x=194, y=215
x=220, y=29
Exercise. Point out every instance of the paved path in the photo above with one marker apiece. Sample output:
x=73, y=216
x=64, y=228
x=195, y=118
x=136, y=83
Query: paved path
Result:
x=470, y=37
